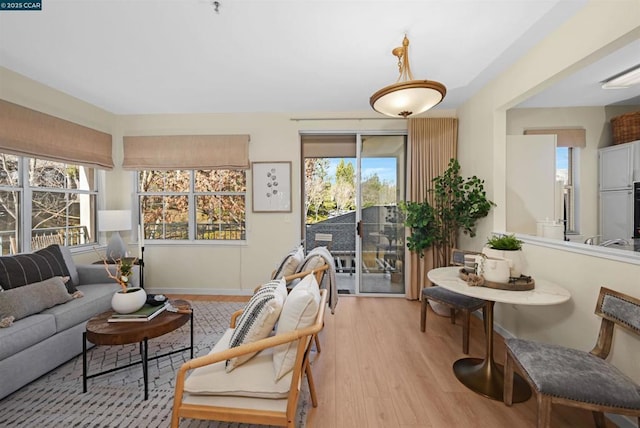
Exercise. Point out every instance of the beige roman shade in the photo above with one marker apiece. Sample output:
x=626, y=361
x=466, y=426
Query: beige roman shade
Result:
x=572, y=137
x=26, y=132
x=186, y=152
x=328, y=146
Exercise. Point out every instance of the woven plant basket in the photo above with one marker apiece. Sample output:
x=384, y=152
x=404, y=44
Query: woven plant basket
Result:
x=626, y=128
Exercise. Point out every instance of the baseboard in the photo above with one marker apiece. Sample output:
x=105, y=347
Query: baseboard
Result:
x=620, y=420
x=202, y=291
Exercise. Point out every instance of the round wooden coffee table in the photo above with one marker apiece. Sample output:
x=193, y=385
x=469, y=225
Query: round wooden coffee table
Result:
x=101, y=332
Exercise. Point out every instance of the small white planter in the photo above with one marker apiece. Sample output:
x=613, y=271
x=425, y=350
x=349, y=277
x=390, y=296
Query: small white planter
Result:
x=516, y=257
x=131, y=301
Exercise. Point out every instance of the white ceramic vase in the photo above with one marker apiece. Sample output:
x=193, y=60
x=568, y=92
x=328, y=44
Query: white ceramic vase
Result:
x=514, y=256
x=131, y=301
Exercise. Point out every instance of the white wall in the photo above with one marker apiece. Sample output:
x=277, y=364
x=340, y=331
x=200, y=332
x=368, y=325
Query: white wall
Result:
x=598, y=29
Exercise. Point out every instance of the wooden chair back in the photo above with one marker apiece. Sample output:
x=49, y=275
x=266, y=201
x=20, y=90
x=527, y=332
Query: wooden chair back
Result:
x=615, y=308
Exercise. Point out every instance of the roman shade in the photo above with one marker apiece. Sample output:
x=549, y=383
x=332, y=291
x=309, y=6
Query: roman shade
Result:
x=186, y=152
x=574, y=137
x=328, y=146
x=27, y=132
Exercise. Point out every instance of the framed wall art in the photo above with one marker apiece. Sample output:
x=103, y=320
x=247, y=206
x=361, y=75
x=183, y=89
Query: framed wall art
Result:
x=271, y=186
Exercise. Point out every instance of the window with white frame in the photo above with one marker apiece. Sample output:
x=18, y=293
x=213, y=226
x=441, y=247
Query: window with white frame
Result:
x=566, y=179
x=44, y=202
x=193, y=205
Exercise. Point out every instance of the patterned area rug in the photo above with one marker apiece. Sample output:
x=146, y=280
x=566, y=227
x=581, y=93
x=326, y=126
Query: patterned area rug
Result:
x=116, y=399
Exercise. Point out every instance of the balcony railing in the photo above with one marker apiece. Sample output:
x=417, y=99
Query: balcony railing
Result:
x=204, y=231
x=41, y=238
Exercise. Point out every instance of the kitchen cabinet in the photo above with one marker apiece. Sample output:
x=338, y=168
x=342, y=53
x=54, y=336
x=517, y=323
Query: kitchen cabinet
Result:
x=616, y=165
x=616, y=214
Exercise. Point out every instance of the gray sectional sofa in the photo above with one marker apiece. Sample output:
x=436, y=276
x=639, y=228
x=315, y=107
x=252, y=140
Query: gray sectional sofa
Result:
x=38, y=343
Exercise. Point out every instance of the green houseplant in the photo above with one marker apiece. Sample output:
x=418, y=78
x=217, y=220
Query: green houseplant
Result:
x=506, y=247
x=504, y=242
x=457, y=204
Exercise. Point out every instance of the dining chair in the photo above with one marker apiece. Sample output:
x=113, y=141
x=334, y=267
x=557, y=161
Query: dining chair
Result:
x=455, y=301
x=571, y=377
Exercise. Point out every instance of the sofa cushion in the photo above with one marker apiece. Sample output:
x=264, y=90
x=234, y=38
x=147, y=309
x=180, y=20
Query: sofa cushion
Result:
x=25, y=333
x=22, y=269
x=71, y=266
x=289, y=263
x=33, y=298
x=96, y=299
x=299, y=311
x=258, y=318
x=252, y=379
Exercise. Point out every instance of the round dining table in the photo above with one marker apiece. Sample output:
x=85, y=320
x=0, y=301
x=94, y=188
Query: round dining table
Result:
x=484, y=375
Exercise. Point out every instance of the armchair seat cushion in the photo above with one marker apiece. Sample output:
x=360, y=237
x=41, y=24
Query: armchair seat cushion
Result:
x=576, y=375
x=252, y=379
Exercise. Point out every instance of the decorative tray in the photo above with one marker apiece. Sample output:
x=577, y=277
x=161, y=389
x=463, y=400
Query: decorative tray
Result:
x=524, y=283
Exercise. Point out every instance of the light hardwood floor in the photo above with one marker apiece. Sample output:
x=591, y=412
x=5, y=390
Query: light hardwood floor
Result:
x=377, y=369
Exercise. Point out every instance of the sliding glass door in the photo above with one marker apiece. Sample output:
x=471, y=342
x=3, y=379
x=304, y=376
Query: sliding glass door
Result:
x=353, y=184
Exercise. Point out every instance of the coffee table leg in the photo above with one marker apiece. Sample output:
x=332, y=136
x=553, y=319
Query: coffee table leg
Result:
x=84, y=362
x=145, y=369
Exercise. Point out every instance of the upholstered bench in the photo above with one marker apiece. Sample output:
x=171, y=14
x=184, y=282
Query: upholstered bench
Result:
x=454, y=301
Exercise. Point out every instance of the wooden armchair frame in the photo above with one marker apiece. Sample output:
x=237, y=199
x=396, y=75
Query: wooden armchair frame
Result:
x=252, y=415
x=611, y=316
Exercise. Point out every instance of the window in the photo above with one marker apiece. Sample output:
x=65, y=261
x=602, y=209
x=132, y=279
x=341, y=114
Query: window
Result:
x=53, y=201
x=201, y=205
x=566, y=178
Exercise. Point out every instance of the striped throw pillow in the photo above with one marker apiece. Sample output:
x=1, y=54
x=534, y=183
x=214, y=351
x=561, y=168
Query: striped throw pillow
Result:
x=258, y=319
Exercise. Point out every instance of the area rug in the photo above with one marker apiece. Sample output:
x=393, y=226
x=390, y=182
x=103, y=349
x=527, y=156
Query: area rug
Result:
x=117, y=399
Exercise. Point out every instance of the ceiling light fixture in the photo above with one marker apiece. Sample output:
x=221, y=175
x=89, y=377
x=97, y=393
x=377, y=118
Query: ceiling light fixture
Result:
x=623, y=80
x=407, y=96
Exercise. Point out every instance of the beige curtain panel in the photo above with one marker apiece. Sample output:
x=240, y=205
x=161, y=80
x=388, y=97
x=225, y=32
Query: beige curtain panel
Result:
x=26, y=132
x=432, y=143
x=574, y=137
x=186, y=152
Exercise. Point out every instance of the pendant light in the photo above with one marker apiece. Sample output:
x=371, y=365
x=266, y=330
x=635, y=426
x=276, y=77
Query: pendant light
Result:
x=407, y=96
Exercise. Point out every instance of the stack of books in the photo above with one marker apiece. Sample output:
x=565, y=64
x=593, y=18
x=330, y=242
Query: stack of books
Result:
x=146, y=313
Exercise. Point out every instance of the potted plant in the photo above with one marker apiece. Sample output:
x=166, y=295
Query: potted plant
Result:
x=506, y=247
x=458, y=203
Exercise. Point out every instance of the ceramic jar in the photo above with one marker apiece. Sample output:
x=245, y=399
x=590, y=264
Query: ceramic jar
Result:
x=516, y=257
x=131, y=301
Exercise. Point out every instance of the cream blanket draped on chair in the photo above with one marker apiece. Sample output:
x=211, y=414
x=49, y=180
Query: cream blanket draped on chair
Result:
x=432, y=143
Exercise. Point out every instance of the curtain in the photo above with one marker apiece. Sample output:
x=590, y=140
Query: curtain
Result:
x=26, y=132
x=186, y=152
x=432, y=143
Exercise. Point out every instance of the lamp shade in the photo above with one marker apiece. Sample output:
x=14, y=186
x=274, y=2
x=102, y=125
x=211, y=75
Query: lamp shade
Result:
x=408, y=98
x=114, y=220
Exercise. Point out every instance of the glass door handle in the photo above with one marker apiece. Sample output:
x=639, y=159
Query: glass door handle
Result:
x=359, y=228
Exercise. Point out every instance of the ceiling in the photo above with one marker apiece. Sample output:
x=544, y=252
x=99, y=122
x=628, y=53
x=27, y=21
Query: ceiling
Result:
x=181, y=56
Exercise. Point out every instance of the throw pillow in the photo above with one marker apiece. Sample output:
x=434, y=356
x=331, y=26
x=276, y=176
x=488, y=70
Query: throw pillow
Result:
x=299, y=311
x=33, y=298
x=311, y=262
x=21, y=269
x=257, y=319
x=289, y=264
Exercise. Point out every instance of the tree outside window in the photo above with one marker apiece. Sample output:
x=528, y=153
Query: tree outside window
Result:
x=193, y=204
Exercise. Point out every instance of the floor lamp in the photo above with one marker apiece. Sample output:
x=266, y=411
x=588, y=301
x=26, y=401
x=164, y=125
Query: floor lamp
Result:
x=114, y=221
